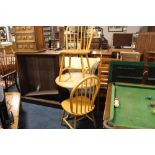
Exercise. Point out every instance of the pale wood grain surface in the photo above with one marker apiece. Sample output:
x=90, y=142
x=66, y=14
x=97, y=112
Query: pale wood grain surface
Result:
x=69, y=83
x=13, y=104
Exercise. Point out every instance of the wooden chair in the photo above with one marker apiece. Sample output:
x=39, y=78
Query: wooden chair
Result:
x=78, y=41
x=8, y=71
x=81, y=101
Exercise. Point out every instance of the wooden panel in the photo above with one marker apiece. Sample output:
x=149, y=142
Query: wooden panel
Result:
x=151, y=28
x=39, y=37
x=145, y=42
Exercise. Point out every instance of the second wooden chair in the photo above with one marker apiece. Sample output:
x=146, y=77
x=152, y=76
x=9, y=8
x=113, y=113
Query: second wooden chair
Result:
x=78, y=41
x=81, y=101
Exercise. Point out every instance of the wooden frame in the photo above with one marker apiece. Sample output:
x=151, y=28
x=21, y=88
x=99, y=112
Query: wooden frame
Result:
x=106, y=116
x=115, y=28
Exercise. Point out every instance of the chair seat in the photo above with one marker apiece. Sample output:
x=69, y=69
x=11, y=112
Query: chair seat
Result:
x=82, y=109
x=75, y=51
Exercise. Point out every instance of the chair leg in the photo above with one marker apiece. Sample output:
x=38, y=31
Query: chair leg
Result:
x=74, y=122
x=64, y=119
x=16, y=83
x=94, y=121
x=6, y=85
x=82, y=65
x=63, y=112
x=88, y=63
x=17, y=87
x=70, y=61
x=61, y=67
x=98, y=104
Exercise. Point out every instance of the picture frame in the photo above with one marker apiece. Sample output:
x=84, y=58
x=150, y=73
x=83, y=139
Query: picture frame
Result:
x=115, y=28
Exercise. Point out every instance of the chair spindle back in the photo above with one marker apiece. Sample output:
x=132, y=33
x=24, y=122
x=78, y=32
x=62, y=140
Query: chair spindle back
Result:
x=83, y=95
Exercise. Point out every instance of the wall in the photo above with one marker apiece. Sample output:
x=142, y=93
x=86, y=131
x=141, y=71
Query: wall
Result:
x=109, y=35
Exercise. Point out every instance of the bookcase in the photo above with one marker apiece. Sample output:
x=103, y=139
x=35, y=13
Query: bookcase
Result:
x=53, y=36
x=48, y=35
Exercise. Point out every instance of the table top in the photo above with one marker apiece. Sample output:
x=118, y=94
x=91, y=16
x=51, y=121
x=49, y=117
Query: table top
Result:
x=134, y=109
x=13, y=104
x=69, y=83
x=76, y=62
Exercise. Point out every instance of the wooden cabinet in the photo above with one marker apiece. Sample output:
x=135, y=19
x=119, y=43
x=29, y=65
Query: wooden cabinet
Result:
x=145, y=42
x=37, y=73
x=29, y=38
x=48, y=35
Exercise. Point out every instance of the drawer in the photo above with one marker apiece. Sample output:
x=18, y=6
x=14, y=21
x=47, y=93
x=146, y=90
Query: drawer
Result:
x=130, y=56
x=25, y=46
x=23, y=29
x=25, y=37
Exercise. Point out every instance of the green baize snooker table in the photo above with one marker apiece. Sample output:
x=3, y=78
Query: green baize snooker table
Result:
x=134, y=109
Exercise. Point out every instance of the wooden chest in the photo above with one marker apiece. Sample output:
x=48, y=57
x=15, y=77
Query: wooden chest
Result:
x=29, y=38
